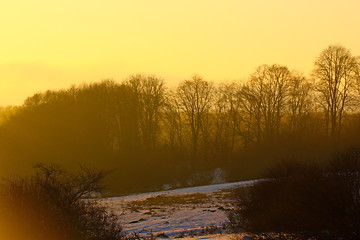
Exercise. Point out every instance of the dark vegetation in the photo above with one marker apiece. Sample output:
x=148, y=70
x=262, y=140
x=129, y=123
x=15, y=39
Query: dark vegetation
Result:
x=149, y=135
x=307, y=201
x=52, y=204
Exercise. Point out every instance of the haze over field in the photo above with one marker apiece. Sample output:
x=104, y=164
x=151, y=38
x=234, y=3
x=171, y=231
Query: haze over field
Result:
x=136, y=101
x=53, y=44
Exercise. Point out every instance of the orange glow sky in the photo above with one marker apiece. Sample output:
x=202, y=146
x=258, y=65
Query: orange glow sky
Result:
x=53, y=44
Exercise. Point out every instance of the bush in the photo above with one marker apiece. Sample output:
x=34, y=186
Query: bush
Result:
x=51, y=205
x=304, y=198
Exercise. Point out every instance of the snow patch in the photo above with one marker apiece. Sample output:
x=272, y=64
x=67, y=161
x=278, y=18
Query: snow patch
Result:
x=185, y=221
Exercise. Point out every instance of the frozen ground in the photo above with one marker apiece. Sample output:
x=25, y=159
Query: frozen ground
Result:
x=189, y=213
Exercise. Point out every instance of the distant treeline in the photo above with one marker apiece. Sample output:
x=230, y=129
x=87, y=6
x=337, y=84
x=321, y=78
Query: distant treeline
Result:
x=150, y=135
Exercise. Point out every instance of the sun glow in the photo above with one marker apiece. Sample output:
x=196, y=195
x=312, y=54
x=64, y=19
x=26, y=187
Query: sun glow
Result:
x=53, y=44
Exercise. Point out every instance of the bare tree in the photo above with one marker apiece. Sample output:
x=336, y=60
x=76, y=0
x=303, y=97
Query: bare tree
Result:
x=335, y=72
x=151, y=93
x=299, y=104
x=173, y=123
x=264, y=100
x=226, y=116
x=195, y=98
x=249, y=114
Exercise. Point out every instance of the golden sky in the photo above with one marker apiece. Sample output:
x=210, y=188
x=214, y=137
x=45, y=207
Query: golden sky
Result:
x=51, y=44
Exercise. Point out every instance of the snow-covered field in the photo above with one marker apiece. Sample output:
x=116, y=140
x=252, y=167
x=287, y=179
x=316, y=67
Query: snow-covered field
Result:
x=189, y=213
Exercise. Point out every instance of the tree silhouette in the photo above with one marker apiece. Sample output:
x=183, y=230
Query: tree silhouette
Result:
x=150, y=91
x=264, y=100
x=336, y=71
x=195, y=98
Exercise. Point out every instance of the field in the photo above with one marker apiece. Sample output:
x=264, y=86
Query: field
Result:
x=189, y=213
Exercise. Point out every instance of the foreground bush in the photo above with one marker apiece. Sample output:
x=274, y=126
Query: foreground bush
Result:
x=51, y=205
x=321, y=202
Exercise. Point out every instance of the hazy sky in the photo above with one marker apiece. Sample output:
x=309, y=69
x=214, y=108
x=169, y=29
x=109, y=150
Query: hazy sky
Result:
x=50, y=44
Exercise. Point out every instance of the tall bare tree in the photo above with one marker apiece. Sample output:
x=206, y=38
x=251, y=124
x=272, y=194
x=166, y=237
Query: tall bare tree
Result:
x=195, y=98
x=173, y=122
x=264, y=100
x=151, y=94
x=300, y=102
x=226, y=122
x=335, y=72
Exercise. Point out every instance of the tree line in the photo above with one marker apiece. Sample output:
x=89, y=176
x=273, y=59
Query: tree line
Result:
x=154, y=135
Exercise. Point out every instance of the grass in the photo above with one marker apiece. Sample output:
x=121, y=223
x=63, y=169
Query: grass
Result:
x=221, y=198
x=169, y=201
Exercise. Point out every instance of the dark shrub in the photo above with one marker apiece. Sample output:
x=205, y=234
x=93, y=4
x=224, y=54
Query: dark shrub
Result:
x=52, y=205
x=304, y=198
